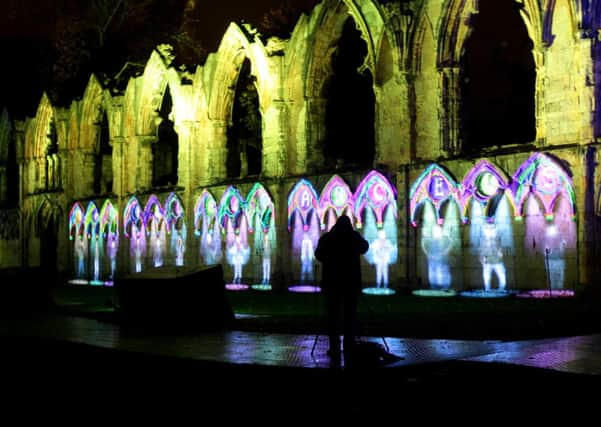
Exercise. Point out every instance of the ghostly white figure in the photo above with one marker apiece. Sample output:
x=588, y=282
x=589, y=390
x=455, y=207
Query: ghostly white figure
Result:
x=555, y=246
x=382, y=250
x=138, y=250
x=306, y=256
x=437, y=248
x=238, y=254
x=266, y=259
x=491, y=257
x=80, y=252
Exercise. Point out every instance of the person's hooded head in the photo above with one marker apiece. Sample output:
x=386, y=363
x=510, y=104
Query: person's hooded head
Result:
x=343, y=224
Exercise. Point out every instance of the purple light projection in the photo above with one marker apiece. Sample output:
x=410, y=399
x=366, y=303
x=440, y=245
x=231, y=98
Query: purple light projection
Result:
x=259, y=212
x=434, y=190
x=176, y=226
x=154, y=223
x=544, y=190
x=376, y=213
x=94, y=235
x=305, y=224
x=233, y=224
x=133, y=229
x=205, y=226
x=336, y=199
x=77, y=235
x=109, y=224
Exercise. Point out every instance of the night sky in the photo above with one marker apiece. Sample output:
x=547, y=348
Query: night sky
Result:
x=28, y=30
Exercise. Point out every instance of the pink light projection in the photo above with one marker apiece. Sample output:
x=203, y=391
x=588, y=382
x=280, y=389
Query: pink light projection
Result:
x=375, y=192
x=435, y=185
x=133, y=229
x=259, y=212
x=484, y=184
x=175, y=220
x=205, y=221
x=109, y=224
x=77, y=235
x=94, y=235
x=305, y=223
x=545, y=179
x=233, y=223
x=336, y=200
x=154, y=223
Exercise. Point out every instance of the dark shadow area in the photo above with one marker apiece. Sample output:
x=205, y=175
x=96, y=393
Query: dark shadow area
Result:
x=350, y=104
x=497, y=79
x=165, y=150
x=174, y=299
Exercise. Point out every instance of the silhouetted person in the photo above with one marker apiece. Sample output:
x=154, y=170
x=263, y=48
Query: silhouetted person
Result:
x=339, y=250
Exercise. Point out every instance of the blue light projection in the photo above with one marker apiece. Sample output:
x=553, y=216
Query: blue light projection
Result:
x=305, y=224
x=234, y=224
x=207, y=228
x=133, y=229
x=175, y=219
x=80, y=245
x=259, y=211
x=155, y=225
x=376, y=213
x=94, y=236
x=109, y=226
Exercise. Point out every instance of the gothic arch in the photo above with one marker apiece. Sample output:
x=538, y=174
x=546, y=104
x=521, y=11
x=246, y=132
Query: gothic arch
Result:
x=331, y=17
x=36, y=144
x=236, y=45
x=91, y=114
x=575, y=19
x=157, y=75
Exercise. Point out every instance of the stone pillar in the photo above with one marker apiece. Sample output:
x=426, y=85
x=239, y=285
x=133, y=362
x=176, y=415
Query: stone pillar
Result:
x=215, y=154
x=315, y=132
x=275, y=144
x=450, y=110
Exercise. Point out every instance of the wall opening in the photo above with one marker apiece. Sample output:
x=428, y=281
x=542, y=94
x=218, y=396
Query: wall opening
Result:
x=244, y=135
x=165, y=149
x=350, y=104
x=103, y=163
x=497, y=79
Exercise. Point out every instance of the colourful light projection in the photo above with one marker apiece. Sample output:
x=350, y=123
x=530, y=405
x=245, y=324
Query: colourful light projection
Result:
x=543, y=189
x=233, y=224
x=95, y=240
x=486, y=185
x=133, y=229
x=176, y=226
x=336, y=200
x=305, y=224
x=109, y=225
x=436, y=194
x=205, y=226
x=80, y=245
x=259, y=211
x=542, y=177
x=436, y=186
x=376, y=214
x=154, y=223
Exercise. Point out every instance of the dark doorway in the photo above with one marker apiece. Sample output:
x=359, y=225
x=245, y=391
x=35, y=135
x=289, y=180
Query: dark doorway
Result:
x=497, y=79
x=165, y=150
x=350, y=104
x=244, y=135
x=103, y=164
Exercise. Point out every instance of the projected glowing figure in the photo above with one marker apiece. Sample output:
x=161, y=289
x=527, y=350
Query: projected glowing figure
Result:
x=304, y=222
x=109, y=223
x=376, y=214
x=382, y=256
x=133, y=228
x=154, y=221
x=259, y=211
x=233, y=223
x=176, y=226
x=205, y=219
x=436, y=246
x=544, y=188
x=95, y=239
x=491, y=257
x=77, y=234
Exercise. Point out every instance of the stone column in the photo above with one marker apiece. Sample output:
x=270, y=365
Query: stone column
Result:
x=275, y=140
x=450, y=109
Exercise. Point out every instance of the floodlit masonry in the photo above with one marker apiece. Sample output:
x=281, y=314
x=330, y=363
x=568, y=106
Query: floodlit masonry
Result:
x=389, y=112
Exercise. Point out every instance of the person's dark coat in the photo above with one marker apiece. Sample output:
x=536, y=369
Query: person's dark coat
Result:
x=339, y=251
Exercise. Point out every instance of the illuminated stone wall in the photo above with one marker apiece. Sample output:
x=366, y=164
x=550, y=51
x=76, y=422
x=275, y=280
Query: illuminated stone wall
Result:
x=414, y=52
